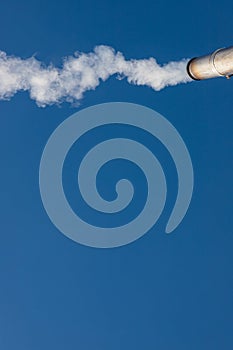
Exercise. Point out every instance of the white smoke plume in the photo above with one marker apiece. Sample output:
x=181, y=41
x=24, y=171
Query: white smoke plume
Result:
x=82, y=72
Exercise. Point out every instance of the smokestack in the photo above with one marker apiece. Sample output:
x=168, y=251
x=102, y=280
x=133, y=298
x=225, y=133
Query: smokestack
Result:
x=217, y=64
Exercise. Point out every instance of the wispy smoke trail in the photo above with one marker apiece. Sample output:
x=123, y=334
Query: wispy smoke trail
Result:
x=82, y=72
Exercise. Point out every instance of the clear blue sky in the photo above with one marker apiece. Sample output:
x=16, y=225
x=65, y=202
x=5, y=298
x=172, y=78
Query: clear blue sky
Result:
x=163, y=291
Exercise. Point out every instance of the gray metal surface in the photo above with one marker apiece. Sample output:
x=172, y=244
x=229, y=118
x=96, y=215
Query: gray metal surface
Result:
x=219, y=63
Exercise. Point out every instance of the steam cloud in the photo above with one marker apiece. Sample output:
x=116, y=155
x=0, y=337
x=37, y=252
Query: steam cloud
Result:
x=82, y=72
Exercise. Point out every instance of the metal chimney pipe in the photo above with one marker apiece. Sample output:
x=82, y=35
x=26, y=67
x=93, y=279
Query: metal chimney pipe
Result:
x=217, y=64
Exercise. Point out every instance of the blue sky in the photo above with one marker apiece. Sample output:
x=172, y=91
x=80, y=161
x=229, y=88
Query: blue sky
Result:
x=162, y=291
